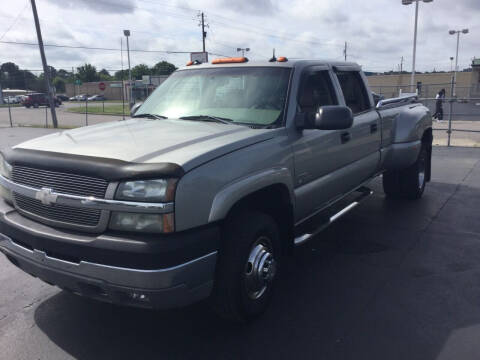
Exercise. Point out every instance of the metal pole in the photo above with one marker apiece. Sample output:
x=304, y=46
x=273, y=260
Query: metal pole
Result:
x=123, y=83
x=203, y=32
x=86, y=111
x=129, y=75
x=456, y=67
x=449, y=132
x=9, y=111
x=103, y=105
x=412, y=80
x=46, y=118
x=45, y=66
x=73, y=76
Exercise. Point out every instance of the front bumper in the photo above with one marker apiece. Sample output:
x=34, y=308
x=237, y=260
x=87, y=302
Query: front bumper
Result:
x=45, y=253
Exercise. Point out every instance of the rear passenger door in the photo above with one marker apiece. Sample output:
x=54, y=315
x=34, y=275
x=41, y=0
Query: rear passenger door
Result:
x=365, y=134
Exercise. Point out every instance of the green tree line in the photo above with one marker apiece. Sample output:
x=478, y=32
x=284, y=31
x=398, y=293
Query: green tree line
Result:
x=12, y=77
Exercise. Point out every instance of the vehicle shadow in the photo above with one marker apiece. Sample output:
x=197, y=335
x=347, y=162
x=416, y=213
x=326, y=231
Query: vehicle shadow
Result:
x=320, y=308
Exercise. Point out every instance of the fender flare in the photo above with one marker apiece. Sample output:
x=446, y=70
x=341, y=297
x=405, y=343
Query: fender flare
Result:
x=229, y=195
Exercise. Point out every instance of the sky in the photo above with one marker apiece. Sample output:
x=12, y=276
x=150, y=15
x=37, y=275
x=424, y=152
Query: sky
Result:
x=378, y=32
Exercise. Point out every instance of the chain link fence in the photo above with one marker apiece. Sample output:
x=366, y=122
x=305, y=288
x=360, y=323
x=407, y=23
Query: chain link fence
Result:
x=460, y=124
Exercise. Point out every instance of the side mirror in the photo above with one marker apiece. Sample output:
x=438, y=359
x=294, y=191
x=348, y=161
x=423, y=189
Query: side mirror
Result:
x=330, y=117
x=135, y=107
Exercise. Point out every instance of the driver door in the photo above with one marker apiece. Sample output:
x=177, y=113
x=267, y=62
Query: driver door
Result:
x=320, y=155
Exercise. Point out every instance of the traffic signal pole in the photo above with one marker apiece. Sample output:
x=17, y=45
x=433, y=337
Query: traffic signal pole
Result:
x=46, y=71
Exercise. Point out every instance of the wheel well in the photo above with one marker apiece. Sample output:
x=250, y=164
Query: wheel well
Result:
x=273, y=200
x=427, y=140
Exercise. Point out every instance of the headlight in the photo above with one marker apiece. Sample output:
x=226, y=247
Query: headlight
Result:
x=162, y=190
x=151, y=223
x=5, y=168
x=5, y=171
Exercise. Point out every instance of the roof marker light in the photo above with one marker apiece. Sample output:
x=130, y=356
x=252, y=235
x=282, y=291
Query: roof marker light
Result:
x=282, y=59
x=232, y=60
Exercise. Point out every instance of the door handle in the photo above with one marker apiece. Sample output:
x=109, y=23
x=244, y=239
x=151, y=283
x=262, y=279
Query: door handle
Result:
x=345, y=137
x=373, y=128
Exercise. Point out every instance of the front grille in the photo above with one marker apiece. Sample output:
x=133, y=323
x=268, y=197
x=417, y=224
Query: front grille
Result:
x=56, y=212
x=62, y=183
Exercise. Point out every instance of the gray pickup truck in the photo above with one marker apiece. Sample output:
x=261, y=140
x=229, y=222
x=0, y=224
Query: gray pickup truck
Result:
x=218, y=175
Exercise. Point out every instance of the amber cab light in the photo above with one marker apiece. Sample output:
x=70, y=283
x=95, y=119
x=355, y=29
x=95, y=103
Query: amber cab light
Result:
x=230, y=60
x=282, y=59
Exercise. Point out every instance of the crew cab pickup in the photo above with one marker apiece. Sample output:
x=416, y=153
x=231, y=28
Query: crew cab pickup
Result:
x=212, y=182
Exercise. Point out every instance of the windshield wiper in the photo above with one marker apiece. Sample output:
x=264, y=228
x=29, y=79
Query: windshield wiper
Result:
x=150, y=116
x=207, y=118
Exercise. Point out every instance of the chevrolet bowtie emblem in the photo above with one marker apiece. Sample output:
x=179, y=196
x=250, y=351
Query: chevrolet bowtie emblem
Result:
x=46, y=196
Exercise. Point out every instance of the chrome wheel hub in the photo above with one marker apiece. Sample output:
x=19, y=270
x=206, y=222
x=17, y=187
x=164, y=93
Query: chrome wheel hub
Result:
x=260, y=268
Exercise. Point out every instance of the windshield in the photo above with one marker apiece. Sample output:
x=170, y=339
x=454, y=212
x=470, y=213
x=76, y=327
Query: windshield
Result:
x=248, y=95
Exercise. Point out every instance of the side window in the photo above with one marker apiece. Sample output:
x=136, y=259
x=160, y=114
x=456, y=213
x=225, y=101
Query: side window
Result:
x=354, y=91
x=316, y=91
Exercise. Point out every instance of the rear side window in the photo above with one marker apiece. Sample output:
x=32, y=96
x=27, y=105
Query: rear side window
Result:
x=316, y=91
x=354, y=91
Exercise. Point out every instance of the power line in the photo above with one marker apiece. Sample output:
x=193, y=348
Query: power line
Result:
x=93, y=48
x=14, y=21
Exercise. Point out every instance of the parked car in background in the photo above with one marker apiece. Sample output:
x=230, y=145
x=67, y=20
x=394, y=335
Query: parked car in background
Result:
x=39, y=99
x=20, y=98
x=10, y=100
x=81, y=97
x=62, y=97
x=97, y=98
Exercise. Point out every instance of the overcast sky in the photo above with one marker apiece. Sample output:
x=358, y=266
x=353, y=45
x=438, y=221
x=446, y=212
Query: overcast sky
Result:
x=378, y=32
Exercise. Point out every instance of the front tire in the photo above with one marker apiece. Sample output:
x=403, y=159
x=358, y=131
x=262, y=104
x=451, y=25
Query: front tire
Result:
x=408, y=183
x=248, y=264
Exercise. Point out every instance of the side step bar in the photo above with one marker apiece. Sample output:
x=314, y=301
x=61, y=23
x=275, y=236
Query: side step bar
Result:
x=364, y=193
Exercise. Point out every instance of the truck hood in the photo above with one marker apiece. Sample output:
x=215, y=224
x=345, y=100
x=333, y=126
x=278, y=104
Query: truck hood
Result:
x=183, y=142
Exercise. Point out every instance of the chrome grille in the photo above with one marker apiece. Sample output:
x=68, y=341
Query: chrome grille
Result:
x=72, y=184
x=56, y=212
x=60, y=182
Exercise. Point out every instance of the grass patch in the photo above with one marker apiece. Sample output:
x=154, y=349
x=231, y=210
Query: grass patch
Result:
x=11, y=105
x=100, y=110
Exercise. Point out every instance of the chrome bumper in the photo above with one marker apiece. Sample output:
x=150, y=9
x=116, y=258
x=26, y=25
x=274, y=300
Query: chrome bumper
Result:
x=163, y=288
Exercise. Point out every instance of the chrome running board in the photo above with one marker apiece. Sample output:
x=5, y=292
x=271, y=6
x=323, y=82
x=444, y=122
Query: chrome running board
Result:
x=364, y=193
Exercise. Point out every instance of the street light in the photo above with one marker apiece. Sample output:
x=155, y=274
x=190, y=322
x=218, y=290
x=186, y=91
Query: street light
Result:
x=127, y=34
x=243, y=50
x=409, y=2
x=451, y=63
x=453, y=32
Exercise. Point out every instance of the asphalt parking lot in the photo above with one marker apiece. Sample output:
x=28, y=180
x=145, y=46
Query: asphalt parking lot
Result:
x=391, y=280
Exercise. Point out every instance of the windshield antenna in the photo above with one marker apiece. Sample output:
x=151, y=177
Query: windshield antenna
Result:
x=273, y=59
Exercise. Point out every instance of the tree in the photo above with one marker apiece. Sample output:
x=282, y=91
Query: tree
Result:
x=140, y=70
x=163, y=68
x=87, y=73
x=59, y=84
x=65, y=75
x=105, y=75
x=121, y=75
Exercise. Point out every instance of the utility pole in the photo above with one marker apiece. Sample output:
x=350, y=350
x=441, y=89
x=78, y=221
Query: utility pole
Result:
x=401, y=65
x=73, y=77
x=123, y=83
x=345, y=51
x=127, y=34
x=46, y=72
x=204, y=34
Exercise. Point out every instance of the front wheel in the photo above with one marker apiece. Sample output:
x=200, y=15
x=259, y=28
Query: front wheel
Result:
x=248, y=264
x=408, y=183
